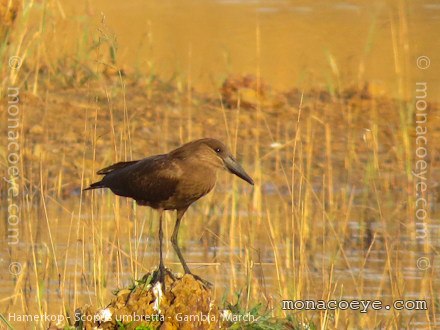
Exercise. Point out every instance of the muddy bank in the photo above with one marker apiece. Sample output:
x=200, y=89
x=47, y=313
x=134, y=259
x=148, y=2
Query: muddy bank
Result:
x=182, y=302
x=148, y=304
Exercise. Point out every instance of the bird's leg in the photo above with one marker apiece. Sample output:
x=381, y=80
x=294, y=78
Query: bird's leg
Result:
x=174, y=241
x=161, y=265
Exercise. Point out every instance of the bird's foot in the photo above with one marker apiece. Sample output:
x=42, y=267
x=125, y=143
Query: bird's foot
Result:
x=170, y=274
x=160, y=274
x=206, y=284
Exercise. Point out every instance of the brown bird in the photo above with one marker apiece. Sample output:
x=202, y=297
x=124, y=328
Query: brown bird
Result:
x=171, y=181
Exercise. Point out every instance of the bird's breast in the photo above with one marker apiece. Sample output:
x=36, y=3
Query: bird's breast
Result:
x=193, y=189
x=193, y=184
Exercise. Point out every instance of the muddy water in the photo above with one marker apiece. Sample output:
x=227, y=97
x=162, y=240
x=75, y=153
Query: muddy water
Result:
x=288, y=43
x=87, y=267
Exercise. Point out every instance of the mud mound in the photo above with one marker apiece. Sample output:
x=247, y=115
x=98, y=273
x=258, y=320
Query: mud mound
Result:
x=186, y=303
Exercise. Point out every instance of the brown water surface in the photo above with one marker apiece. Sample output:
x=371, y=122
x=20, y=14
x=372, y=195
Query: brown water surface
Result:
x=288, y=43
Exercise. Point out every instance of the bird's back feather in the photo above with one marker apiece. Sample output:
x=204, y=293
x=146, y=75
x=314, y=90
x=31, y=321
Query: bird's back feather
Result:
x=116, y=166
x=149, y=181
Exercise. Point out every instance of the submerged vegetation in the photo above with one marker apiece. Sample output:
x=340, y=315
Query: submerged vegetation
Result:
x=332, y=214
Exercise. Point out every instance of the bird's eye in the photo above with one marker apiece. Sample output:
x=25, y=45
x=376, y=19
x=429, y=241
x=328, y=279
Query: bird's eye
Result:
x=218, y=150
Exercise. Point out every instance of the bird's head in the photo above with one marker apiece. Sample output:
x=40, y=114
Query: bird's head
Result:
x=214, y=153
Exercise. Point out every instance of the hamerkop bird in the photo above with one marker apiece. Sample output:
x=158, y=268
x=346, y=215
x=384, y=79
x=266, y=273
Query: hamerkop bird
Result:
x=171, y=181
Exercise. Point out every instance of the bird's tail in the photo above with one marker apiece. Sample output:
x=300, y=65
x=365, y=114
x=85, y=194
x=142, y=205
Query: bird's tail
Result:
x=96, y=185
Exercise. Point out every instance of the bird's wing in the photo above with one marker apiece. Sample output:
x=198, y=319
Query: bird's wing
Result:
x=151, y=179
x=116, y=166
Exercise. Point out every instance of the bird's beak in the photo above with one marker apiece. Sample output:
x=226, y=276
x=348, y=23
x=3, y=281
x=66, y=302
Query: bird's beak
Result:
x=234, y=167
